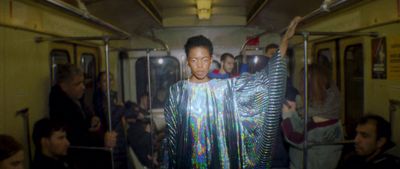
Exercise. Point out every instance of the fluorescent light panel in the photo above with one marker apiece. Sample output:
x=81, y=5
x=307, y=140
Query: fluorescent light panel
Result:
x=203, y=9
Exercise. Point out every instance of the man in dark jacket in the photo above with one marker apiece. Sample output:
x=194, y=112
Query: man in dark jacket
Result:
x=51, y=145
x=372, y=143
x=81, y=128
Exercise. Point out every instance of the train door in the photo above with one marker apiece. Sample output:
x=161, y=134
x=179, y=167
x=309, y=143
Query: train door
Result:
x=60, y=53
x=352, y=81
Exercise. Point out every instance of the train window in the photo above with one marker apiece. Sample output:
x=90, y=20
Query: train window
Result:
x=165, y=71
x=354, y=86
x=57, y=57
x=325, y=58
x=88, y=65
x=255, y=62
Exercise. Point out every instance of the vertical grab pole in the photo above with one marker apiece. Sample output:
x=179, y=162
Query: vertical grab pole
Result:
x=107, y=50
x=305, y=145
x=25, y=116
x=150, y=100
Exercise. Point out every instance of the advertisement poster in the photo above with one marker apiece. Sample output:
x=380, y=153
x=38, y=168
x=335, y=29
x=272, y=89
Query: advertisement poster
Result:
x=393, y=60
x=378, y=53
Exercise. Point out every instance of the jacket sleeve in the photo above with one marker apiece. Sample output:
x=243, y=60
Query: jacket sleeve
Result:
x=292, y=127
x=258, y=100
x=170, y=112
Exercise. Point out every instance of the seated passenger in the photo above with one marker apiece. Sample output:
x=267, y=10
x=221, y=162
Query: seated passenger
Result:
x=139, y=137
x=51, y=145
x=11, y=153
x=323, y=126
x=372, y=145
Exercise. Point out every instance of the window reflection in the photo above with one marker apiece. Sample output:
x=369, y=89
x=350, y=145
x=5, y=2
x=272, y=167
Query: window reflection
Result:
x=88, y=65
x=255, y=62
x=57, y=57
x=165, y=71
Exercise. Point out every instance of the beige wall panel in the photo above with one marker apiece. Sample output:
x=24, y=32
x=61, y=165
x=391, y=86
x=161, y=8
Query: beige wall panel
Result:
x=355, y=18
x=26, y=80
x=2, y=74
x=3, y=10
x=35, y=16
x=378, y=92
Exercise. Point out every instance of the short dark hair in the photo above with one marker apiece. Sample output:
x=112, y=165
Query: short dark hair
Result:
x=44, y=128
x=198, y=41
x=66, y=72
x=226, y=55
x=383, y=128
x=8, y=146
x=271, y=46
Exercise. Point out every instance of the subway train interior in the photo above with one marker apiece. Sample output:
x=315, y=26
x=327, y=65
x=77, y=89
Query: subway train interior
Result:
x=141, y=43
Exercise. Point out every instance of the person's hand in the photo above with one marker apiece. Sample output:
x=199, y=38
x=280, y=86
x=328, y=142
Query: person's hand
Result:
x=288, y=108
x=119, y=103
x=140, y=116
x=289, y=34
x=292, y=27
x=95, y=124
x=110, y=139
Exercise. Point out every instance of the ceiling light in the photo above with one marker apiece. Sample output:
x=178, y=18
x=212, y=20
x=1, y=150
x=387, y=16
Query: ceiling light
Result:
x=204, y=13
x=203, y=4
x=203, y=9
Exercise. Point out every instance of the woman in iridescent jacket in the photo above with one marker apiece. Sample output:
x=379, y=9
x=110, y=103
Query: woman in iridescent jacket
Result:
x=224, y=123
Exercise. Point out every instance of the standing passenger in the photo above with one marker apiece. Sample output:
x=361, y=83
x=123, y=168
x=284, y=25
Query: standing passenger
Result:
x=227, y=64
x=117, y=112
x=323, y=127
x=65, y=106
x=224, y=123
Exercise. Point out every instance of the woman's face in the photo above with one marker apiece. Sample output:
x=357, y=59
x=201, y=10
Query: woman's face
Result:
x=13, y=162
x=199, y=61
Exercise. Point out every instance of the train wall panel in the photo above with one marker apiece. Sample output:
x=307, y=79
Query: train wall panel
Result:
x=2, y=74
x=356, y=17
x=380, y=91
x=24, y=64
x=37, y=17
x=26, y=79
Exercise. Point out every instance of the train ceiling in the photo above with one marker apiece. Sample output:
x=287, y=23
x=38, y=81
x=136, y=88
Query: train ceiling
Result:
x=140, y=16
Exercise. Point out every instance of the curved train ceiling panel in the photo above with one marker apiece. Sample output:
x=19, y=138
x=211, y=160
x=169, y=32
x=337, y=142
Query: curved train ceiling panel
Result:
x=140, y=16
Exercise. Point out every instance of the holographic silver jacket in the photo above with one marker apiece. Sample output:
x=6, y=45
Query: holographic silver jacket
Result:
x=227, y=123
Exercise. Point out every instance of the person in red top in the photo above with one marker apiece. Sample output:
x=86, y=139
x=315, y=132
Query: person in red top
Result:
x=227, y=64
